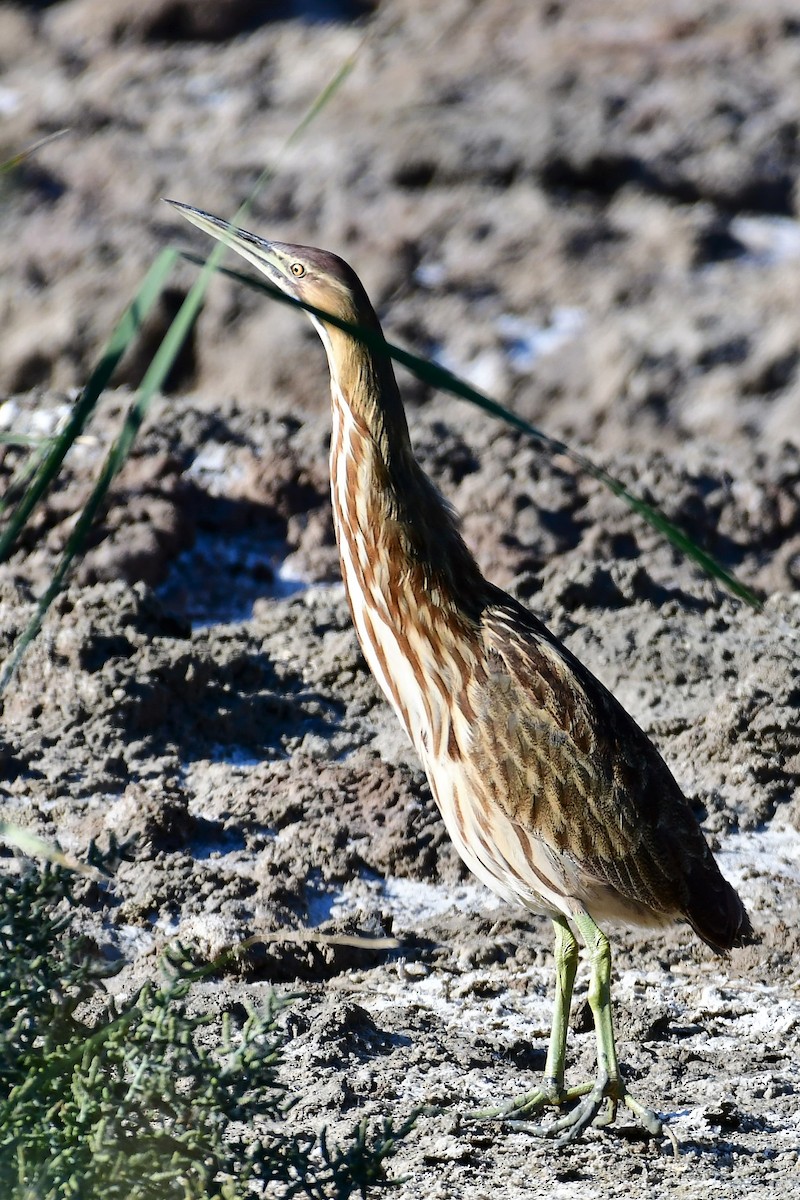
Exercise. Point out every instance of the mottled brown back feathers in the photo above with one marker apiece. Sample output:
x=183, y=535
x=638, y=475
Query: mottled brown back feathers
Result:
x=545, y=780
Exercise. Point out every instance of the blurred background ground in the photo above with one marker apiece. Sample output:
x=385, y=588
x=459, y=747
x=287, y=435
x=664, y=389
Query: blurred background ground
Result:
x=589, y=210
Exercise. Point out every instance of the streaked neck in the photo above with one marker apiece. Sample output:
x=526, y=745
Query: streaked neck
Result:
x=383, y=501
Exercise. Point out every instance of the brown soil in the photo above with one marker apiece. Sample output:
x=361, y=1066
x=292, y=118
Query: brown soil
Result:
x=588, y=209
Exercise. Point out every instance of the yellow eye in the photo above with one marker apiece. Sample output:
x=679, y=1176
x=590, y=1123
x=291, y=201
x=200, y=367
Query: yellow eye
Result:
x=298, y=270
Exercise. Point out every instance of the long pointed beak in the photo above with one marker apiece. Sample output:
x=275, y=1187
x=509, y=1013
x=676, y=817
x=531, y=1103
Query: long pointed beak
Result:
x=262, y=254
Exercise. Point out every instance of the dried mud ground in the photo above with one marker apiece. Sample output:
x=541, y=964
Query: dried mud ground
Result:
x=261, y=790
x=591, y=211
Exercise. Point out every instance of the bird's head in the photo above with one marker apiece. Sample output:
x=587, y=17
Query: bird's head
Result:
x=314, y=276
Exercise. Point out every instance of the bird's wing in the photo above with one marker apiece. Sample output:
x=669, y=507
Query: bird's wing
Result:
x=575, y=770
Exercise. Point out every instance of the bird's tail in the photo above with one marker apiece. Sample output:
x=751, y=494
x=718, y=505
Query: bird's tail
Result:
x=715, y=911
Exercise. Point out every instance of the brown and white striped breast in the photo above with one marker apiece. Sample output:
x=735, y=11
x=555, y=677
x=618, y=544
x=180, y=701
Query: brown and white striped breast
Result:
x=422, y=674
x=395, y=648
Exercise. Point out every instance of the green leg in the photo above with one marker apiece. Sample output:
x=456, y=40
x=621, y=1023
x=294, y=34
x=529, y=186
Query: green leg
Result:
x=566, y=956
x=552, y=1090
x=599, y=998
x=608, y=1090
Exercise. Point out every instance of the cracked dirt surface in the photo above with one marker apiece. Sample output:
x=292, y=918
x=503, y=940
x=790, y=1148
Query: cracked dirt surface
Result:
x=590, y=210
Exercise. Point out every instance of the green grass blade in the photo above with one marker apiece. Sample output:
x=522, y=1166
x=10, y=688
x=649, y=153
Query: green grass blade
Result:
x=123, y=335
x=35, y=847
x=323, y=97
x=174, y=338
x=154, y=377
x=16, y=160
x=151, y=383
x=25, y=471
x=26, y=439
x=326, y=95
x=446, y=381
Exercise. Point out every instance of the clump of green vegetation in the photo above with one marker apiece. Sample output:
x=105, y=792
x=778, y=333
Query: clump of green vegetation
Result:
x=141, y=1099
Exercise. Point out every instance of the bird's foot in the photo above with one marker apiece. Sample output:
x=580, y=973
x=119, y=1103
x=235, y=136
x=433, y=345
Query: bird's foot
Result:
x=598, y=1103
x=530, y=1104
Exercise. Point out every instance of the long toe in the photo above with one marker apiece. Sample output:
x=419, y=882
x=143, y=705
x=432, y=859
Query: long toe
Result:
x=529, y=1104
x=650, y=1121
x=571, y=1125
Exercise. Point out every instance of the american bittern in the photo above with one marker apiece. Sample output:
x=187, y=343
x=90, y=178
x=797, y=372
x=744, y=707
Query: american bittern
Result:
x=551, y=793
